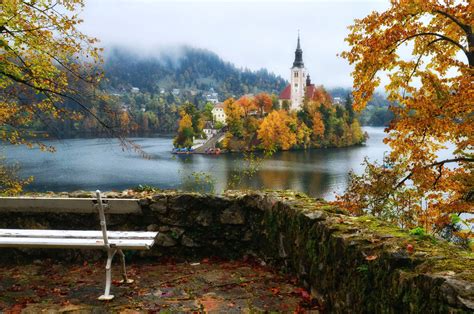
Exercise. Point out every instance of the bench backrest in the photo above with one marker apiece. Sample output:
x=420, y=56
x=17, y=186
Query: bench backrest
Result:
x=68, y=205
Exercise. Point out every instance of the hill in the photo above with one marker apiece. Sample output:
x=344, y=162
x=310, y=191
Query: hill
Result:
x=185, y=68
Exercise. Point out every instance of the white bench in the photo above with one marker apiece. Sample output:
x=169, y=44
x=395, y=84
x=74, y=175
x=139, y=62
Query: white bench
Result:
x=111, y=241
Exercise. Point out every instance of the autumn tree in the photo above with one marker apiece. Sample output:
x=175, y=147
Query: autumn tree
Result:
x=234, y=114
x=318, y=127
x=321, y=97
x=45, y=61
x=196, y=116
x=264, y=103
x=247, y=104
x=184, y=137
x=434, y=92
x=48, y=68
x=278, y=131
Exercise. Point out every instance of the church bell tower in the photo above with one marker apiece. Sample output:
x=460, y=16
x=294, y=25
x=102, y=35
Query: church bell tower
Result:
x=298, y=77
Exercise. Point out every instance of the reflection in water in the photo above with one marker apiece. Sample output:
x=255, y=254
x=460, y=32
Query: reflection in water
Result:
x=91, y=164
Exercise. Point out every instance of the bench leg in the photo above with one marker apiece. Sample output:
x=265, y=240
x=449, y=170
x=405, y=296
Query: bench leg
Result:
x=124, y=270
x=108, y=276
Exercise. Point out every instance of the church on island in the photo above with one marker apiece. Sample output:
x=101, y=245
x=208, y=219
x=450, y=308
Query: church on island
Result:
x=300, y=83
x=292, y=96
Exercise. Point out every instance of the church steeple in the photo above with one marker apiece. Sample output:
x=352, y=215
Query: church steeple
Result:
x=298, y=63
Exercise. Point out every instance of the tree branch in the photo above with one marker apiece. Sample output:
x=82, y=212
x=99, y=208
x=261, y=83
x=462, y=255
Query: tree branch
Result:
x=466, y=28
x=440, y=173
x=443, y=37
x=47, y=90
x=438, y=163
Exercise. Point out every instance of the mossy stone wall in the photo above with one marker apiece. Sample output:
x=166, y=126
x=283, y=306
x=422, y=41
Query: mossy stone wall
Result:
x=352, y=264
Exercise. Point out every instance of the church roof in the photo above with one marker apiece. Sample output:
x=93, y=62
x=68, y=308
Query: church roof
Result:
x=286, y=93
x=309, y=92
x=298, y=63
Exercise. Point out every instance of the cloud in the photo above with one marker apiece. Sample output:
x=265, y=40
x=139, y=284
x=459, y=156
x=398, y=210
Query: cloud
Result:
x=252, y=34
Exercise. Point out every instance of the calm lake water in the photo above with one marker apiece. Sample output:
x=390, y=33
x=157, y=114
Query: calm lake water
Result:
x=90, y=164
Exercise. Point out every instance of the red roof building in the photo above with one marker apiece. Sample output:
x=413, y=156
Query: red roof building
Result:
x=310, y=90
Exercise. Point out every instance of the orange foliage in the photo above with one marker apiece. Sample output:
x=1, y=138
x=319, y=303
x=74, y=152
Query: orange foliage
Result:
x=318, y=125
x=234, y=114
x=277, y=131
x=264, y=102
x=435, y=94
x=321, y=96
x=247, y=104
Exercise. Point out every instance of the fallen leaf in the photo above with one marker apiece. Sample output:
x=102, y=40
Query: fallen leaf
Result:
x=371, y=257
x=305, y=295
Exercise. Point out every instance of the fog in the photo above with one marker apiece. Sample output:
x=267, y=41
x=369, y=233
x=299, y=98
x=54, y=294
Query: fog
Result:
x=251, y=34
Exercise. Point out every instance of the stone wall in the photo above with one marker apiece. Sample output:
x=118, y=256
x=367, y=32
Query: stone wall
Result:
x=353, y=264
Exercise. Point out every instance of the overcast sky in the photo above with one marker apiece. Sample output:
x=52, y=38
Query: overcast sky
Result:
x=253, y=34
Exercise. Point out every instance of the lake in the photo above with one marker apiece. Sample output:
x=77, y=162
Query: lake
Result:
x=90, y=164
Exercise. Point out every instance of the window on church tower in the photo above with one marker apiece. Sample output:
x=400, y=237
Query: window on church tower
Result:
x=296, y=74
x=296, y=84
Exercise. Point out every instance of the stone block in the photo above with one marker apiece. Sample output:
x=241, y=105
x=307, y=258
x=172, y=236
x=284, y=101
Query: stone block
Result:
x=204, y=218
x=232, y=216
x=159, y=206
x=165, y=240
x=188, y=242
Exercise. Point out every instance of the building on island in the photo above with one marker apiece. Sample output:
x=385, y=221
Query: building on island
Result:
x=300, y=83
x=218, y=114
x=210, y=129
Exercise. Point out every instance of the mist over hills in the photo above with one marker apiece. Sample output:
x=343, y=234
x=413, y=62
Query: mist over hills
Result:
x=185, y=68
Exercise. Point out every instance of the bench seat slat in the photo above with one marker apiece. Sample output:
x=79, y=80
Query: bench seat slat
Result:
x=98, y=243
x=35, y=233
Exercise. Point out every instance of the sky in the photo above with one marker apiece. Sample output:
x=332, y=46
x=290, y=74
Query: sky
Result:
x=250, y=34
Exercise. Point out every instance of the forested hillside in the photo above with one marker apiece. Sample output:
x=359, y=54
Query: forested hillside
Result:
x=376, y=113
x=186, y=68
x=140, y=90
